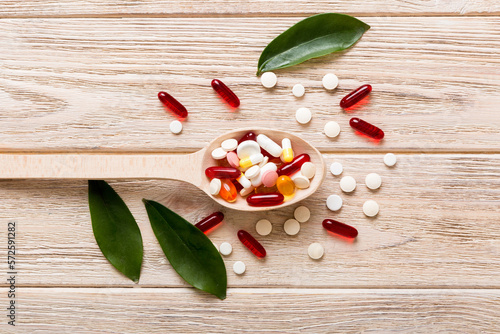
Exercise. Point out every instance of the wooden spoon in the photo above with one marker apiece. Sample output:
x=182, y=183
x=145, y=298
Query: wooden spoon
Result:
x=184, y=167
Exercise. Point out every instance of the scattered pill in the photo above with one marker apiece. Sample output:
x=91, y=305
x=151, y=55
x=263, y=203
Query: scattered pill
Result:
x=287, y=153
x=347, y=184
x=302, y=214
x=295, y=165
x=340, y=228
x=303, y=115
x=247, y=149
x=291, y=227
x=332, y=129
x=217, y=172
x=315, y=251
x=390, y=159
x=175, y=127
x=228, y=191
x=252, y=172
x=254, y=159
x=225, y=248
x=268, y=79
x=215, y=186
x=269, y=178
x=233, y=160
x=229, y=145
x=330, y=81
x=355, y=96
x=267, y=199
x=285, y=185
x=219, y=153
x=263, y=227
x=336, y=168
x=171, y=103
x=210, y=221
x=373, y=181
x=334, y=202
x=251, y=243
x=300, y=181
x=370, y=208
x=366, y=128
x=226, y=93
x=244, y=181
x=269, y=145
x=239, y=268
x=298, y=90
x=308, y=169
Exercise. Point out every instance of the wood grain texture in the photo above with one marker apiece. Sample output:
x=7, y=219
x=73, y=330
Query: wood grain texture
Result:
x=436, y=228
x=91, y=84
x=40, y=8
x=82, y=310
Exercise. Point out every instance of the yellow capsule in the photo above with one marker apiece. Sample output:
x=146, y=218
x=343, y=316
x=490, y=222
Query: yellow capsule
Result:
x=287, y=150
x=285, y=185
x=251, y=160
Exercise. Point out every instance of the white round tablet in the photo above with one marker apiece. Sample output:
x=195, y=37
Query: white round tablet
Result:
x=247, y=149
x=252, y=172
x=229, y=145
x=225, y=248
x=300, y=181
x=336, y=168
x=334, y=202
x=390, y=159
x=291, y=227
x=215, y=186
x=298, y=90
x=219, y=153
x=373, y=181
x=175, y=127
x=268, y=79
x=263, y=227
x=370, y=208
x=347, y=184
x=303, y=115
x=330, y=81
x=308, y=169
x=302, y=214
x=332, y=129
x=315, y=251
x=239, y=268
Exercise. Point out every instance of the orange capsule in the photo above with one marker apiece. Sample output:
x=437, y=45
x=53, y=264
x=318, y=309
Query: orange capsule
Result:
x=285, y=185
x=228, y=191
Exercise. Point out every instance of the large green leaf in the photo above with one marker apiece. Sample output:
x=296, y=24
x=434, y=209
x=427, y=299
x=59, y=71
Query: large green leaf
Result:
x=115, y=229
x=190, y=251
x=313, y=37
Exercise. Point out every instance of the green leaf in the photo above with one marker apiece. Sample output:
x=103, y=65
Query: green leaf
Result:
x=115, y=229
x=190, y=251
x=313, y=37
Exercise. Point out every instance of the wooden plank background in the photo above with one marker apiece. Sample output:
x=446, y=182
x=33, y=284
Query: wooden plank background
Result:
x=83, y=75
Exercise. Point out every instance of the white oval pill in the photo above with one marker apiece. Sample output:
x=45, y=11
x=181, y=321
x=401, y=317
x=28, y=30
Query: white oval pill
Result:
x=269, y=145
x=373, y=181
x=252, y=172
x=215, y=186
x=370, y=208
x=219, y=153
x=332, y=129
x=390, y=159
x=302, y=214
x=268, y=79
x=303, y=115
x=300, y=181
x=298, y=90
x=225, y=248
x=334, y=202
x=330, y=81
x=175, y=127
x=229, y=145
x=336, y=168
x=247, y=148
x=347, y=184
x=308, y=169
x=246, y=191
x=315, y=251
x=291, y=227
x=244, y=181
x=263, y=227
x=239, y=268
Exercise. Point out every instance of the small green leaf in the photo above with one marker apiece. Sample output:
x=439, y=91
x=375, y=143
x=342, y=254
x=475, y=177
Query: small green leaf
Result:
x=115, y=229
x=313, y=37
x=190, y=252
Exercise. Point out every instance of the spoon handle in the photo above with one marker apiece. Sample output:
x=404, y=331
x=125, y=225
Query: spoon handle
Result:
x=185, y=167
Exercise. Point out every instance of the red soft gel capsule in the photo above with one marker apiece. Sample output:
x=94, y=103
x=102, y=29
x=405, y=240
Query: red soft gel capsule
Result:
x=251, y=243
x=340, y=228
x=366, y=128
x=294, y=165
x=226, y=93
x=209, y=222
x=217, y=172
x=171, y=103
x=355, y=96
x=268, y=199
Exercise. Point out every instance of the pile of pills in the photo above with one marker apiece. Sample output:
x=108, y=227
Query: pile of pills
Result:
x=266, y=173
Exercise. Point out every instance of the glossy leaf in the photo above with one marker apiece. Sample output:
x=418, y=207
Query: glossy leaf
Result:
x=190, y=252
x=313, y=37
x=115, y=229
